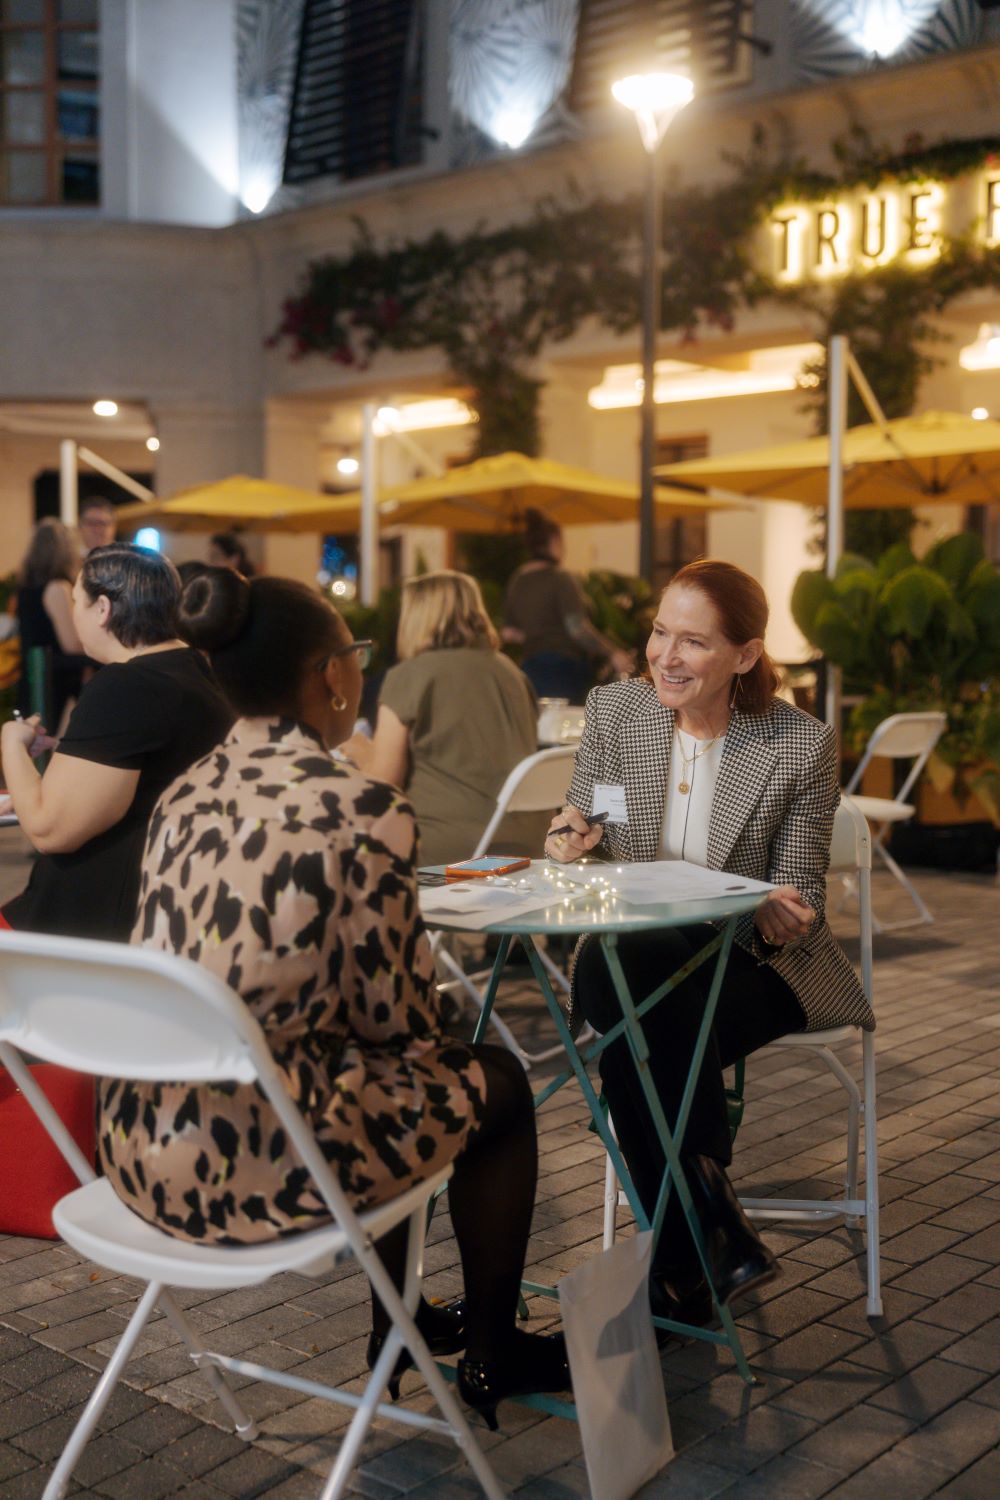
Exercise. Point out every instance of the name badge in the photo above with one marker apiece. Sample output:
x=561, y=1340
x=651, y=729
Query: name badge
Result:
x=611, y=799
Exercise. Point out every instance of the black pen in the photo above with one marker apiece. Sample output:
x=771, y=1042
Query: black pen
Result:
x=593, y=820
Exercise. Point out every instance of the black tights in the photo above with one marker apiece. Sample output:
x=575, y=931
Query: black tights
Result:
x=491, y=1196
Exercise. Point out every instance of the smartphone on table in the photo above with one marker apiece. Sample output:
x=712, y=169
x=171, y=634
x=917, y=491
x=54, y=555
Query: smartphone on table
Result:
x=491, y=864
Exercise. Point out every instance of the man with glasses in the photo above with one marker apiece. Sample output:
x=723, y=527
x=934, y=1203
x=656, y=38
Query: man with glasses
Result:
x=97, y=524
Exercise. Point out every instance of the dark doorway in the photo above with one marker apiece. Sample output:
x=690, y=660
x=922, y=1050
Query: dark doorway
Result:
x=47, y=490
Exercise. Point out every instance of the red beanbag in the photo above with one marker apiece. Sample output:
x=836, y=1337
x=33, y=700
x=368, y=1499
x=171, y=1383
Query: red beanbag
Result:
x=33, y=1173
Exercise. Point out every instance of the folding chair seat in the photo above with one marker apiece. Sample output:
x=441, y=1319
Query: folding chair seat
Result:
x=850, y=850
x=900, y=737
x=537, y=784
x=108, y=1009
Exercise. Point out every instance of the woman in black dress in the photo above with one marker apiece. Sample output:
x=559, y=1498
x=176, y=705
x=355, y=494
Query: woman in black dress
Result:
x=151, y=710
x=45, y=619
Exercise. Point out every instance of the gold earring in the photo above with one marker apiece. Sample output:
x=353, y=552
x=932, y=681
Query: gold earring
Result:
x=737, y=690
x=338, y=701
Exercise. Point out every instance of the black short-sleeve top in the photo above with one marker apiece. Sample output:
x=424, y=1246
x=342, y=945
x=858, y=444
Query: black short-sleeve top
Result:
x=156, y=714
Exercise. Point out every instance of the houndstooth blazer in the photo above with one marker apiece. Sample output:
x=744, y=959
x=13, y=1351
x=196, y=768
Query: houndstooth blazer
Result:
x=772, y=819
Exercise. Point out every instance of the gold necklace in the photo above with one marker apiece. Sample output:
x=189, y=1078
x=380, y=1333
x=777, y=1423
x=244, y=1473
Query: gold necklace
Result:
x=684, y=785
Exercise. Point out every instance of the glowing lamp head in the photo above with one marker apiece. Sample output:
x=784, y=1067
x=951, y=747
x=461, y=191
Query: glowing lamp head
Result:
x=655, y=99
x=347, y=466
x=105, y=408
x=153, y=444
x=980, y=414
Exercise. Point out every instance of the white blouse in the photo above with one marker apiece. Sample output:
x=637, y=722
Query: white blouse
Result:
x=686, y=815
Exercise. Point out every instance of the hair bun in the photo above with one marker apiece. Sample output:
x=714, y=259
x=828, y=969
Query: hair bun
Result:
x=214, y=609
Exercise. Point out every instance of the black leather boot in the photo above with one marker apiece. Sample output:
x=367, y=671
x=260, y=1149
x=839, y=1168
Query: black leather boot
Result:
x=737, y=1256
x=681, y=1294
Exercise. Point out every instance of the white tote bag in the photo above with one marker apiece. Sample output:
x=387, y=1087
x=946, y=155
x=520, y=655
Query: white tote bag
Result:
x=617, y=1380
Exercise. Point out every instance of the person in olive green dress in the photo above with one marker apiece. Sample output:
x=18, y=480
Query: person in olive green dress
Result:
x=455, y=716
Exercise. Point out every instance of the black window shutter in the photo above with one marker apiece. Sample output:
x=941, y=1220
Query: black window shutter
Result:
x=356, y=103
x=698, y=37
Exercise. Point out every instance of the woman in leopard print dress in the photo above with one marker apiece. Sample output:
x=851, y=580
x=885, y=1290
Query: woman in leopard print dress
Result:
x=290, y=876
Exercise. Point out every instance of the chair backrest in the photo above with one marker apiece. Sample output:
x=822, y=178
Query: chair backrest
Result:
x=536, y=784
x=851, y=853
x=107, y=1008
x=122, y=1012
x=900, y=737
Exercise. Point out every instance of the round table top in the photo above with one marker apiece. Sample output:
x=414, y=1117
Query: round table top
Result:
x=594, y=910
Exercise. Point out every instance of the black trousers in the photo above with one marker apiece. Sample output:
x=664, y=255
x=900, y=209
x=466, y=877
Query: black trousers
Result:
x=755, y=1006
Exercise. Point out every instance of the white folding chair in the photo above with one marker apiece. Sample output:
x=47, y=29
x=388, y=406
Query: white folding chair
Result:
x=900, y=737
x=536, y=784
x=850, y=850
x=108, y=1009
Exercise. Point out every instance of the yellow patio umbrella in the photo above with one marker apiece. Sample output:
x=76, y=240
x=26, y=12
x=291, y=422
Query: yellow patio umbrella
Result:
x=492, y=494
x=941, y=457
x=251, y=504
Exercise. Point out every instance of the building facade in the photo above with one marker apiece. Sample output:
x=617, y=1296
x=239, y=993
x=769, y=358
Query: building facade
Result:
x=170, y=169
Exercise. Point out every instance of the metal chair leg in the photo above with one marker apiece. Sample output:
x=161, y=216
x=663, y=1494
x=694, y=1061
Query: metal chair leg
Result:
x=923, y=914
x=101, y=1394
x=874, y=1306
x=246, y=1427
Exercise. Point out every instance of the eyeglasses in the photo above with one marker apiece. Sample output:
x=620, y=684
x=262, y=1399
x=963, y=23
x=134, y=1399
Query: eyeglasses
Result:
x=365, y=650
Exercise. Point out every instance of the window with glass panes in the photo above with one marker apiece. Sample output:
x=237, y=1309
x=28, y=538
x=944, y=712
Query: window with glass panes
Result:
x=49, y=103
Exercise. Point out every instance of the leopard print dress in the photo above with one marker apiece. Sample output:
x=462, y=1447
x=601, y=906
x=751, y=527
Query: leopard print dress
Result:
x=290, y=876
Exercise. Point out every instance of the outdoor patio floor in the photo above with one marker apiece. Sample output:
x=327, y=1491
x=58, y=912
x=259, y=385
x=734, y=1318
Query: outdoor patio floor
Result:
x=905, y=1407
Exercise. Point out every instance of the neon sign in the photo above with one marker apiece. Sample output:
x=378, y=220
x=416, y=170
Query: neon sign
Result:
x=867, y=228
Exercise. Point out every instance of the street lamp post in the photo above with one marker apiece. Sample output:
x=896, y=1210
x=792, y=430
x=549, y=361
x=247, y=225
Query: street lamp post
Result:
x=655, y=99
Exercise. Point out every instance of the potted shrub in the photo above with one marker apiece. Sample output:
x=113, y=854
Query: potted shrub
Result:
x=915, y=635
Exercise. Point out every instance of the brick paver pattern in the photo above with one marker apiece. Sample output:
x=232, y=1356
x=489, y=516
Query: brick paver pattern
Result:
x=908, y=1406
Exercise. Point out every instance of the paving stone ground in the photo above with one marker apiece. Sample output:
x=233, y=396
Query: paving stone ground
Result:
x=908, y=1406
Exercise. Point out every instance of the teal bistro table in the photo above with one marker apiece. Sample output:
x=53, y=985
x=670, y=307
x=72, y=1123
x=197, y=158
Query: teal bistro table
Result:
x=600, y=912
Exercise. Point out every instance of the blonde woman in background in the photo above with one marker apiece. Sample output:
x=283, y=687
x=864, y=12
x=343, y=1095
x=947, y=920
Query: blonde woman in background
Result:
x=455, y=716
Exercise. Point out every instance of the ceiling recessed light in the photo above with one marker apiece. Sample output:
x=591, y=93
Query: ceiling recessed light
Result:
x=980, y=414
x=153, y=444
x=105, y=408
x=347, y=466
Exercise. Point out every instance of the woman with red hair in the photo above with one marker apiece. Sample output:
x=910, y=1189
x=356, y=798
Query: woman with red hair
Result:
x=717, y=771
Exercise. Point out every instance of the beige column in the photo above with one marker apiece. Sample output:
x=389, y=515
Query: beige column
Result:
x=292, y=435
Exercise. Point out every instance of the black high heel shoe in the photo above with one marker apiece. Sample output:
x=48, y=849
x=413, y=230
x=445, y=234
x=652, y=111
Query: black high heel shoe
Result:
x=443, y=1329
x=535, y=1362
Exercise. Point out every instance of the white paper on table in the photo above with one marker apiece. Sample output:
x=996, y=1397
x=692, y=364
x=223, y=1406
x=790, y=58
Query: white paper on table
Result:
x=482, y=902
x=648, y=882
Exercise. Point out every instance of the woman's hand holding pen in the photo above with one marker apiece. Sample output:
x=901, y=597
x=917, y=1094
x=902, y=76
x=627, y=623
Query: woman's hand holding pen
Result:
x=783, y=917
x=29, y=734
x=571, y=834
